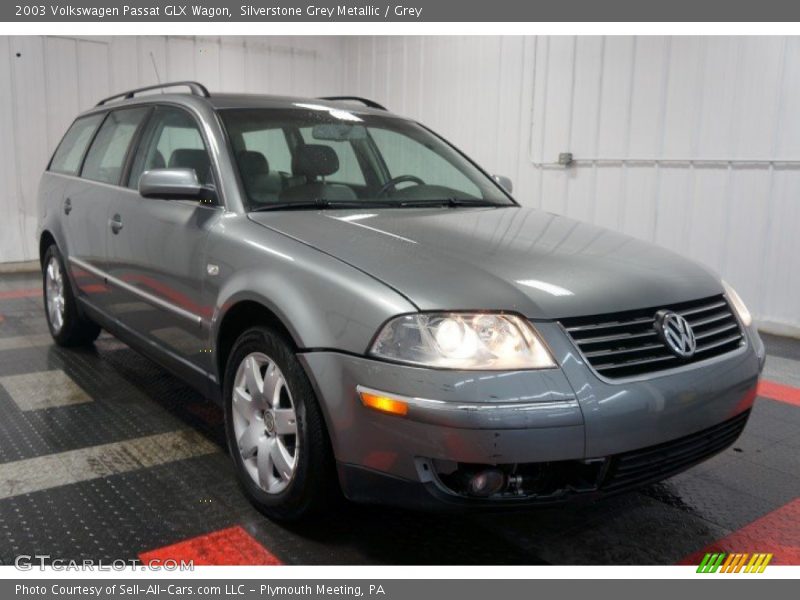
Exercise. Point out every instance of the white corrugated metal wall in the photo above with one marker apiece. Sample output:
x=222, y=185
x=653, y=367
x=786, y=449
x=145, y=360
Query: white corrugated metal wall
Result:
x=46, y=81
x=693, y=143
x=690, y=142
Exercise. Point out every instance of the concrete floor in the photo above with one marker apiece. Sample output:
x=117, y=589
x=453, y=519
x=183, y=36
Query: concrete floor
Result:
x=104, y=455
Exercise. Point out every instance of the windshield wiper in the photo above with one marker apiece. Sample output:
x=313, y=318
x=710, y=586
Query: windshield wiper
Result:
x=315, y=204
x=451, y=202
x=322, y=204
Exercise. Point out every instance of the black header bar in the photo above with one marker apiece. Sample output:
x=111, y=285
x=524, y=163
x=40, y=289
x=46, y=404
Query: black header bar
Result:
x=402, y=11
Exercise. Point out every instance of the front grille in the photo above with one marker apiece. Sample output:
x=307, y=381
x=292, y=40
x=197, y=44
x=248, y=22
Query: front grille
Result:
x=658, y=462
x=626, y=344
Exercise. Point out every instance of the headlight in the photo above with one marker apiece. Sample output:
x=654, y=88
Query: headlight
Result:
x=476, y=341
x=738, y=304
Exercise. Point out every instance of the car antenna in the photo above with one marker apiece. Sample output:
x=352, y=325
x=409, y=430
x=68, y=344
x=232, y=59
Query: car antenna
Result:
x=155, y=68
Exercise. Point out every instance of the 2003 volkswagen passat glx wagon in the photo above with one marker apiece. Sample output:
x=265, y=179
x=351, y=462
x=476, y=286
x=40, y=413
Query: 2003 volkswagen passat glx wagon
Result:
x=376, y=313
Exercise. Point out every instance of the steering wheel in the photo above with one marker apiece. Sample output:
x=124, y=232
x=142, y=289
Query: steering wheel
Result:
x=395, y=181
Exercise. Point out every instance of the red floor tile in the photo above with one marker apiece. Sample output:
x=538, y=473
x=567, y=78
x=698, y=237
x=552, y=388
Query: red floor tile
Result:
x=21, y=293
x=777, y=532
x=778, y=391
x=232, y=546
x=209, y=413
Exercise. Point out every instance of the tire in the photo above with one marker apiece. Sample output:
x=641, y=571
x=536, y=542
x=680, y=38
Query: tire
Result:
x=287, y=477
x=67, y=325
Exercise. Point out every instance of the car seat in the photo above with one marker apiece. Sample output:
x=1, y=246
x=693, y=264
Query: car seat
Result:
x=314, y=162
x=185, y=158
x=260, y=184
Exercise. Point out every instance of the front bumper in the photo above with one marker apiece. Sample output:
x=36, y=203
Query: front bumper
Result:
x=557, y=416
x=613, y=475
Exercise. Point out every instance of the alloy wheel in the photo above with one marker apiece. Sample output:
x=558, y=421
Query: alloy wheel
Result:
x=265, y=423
x=54, y=289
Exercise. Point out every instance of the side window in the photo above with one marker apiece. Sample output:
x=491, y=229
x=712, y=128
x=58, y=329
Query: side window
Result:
x=106, y=156
x=349, y=169
x=404, y=156
x=68, y=155
x=172, y=141
x=272, y=144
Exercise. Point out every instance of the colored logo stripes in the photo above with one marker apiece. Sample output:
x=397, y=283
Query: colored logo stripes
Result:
x=734, y=562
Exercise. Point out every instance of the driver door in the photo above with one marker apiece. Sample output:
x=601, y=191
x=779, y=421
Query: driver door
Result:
x=159, y=252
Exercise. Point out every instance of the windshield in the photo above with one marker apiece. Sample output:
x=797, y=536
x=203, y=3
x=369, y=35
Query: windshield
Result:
x=317, y=156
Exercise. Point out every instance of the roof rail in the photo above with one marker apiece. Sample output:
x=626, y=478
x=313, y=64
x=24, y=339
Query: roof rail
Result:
x=364, y=101
x=197, y=89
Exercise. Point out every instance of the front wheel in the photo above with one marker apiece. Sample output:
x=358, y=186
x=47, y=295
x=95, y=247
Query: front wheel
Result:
x=67, y=326
x=275, y=429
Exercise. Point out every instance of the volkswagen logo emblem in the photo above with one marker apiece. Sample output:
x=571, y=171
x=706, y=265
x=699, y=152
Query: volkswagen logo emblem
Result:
x=676, y=333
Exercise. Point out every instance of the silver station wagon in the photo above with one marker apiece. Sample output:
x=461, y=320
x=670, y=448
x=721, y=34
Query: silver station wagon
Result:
x=376, y=314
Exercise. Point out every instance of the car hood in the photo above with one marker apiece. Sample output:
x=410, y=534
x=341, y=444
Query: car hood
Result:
x=515, y=259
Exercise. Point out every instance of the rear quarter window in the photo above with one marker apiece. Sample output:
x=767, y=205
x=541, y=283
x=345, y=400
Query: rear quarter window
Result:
x=68, y=155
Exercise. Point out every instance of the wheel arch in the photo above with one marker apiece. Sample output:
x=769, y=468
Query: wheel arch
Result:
x=244, y=314
x=46, y=239
x=240, y=315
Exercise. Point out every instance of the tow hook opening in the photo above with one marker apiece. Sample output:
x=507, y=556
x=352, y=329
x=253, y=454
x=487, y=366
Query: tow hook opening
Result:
x=518, y=480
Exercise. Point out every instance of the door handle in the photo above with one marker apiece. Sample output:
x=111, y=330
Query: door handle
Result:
x=115, y=223
x=67, y=206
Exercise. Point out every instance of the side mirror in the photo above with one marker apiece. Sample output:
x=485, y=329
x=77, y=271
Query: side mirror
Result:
x=174, y=184
x=504, y=182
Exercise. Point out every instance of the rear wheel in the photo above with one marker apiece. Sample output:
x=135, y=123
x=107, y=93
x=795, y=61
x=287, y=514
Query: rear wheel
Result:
x=67, y=326
x=275, y=430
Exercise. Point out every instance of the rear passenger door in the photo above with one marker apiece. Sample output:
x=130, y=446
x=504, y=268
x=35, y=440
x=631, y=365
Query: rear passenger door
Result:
x=87, y=198
x=159, y=250
x=66, y=166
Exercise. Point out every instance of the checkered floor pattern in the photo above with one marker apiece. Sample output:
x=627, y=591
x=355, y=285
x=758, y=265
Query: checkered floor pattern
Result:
x=104, y=455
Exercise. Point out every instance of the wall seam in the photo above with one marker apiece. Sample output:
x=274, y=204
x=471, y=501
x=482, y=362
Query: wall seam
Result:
x=765, y=275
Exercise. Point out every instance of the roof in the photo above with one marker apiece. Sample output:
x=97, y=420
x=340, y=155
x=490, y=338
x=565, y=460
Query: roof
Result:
x=199, y=93
x=221, y=101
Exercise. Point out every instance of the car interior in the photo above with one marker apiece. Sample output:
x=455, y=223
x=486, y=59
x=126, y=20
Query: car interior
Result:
x=291, y=159
x=311, y=173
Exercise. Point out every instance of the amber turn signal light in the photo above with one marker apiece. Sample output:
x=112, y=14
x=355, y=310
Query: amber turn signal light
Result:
x=383, y=404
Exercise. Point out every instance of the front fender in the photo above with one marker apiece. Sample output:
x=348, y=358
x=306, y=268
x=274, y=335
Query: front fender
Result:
x=323, y=302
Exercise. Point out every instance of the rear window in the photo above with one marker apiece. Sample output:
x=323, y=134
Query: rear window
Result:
x=110, y=146
x=68, y=155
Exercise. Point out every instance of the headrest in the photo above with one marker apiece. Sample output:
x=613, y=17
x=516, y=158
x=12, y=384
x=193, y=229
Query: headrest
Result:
x=191, y=159
x=252, y=163
x=315, y=160
x=158, y=161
